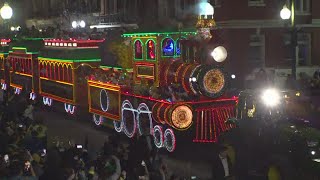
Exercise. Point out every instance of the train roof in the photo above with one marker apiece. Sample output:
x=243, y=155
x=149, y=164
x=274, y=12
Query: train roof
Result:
x=29, y=45
x=4, y=46
x=185, y=32
x=72, y=50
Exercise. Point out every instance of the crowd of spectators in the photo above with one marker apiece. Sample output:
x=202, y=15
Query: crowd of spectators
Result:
x=26, y=154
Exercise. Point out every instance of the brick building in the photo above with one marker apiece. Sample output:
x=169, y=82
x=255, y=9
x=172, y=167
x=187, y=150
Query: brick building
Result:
x=256, y=36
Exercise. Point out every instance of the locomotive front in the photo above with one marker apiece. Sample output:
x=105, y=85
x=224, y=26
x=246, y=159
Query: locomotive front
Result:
x=176, y=87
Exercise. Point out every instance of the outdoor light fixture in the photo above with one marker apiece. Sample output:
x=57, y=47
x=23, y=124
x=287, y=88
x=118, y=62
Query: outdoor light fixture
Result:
x=82, y=24
x=271, y=97
x=313, y=153
x=285, y=13
x=15, y=28
x=233, y=76
x=219, y=54
x=6, y=11
x=76, y=24
x=205, y=9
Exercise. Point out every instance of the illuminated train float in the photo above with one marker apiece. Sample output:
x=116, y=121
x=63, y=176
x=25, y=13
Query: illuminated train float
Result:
x=168, y=89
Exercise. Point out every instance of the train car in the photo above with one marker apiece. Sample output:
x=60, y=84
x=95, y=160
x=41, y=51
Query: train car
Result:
x=148, y=105
x=23, y=71
x=4, y=50
x=64, y=66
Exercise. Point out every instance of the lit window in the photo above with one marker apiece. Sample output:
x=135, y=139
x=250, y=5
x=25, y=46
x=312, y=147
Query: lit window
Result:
x=138, y=49
x=151, y=50
x=304, y=49
x=168, y=47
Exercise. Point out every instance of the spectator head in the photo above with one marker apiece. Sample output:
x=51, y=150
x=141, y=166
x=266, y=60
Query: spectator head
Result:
x=222, y=151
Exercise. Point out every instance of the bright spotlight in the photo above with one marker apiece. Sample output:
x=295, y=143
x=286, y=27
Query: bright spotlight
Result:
x=74, y=24
x=82, y=24
x=313, y=153
x=271, y=97
x=12, y=28
x=219, y=54
x=233, y=76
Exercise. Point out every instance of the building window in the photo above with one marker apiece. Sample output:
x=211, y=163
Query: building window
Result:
x=138, y=49
x=168, y=47
x=304, y=49
x=151, y=50
x=178, y=48
x=302, y=7
x=256, y=3
x=256, y=55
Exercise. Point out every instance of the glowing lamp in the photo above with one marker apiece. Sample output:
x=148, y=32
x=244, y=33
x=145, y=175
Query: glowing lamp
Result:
x=233, y=76
x=6, y=11
x=82, y=24
x=12, y=28
x=193, y=79
x=313, y=153
x=285, y=13
x=219, y=54
x=271, y=97
x=74, y=24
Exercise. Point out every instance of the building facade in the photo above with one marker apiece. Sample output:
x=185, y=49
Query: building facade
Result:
x=143, y=12
x=256, y=36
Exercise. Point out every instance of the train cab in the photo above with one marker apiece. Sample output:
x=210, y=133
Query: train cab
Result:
x=4, y=49
x=151, y=50
x=64, y=66
x=23, y=59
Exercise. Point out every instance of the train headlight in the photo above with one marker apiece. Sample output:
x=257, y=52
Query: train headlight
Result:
x=219, y=54
x=271, y=97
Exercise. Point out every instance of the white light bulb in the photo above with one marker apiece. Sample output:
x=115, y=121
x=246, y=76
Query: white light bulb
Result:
x=74, y=24
x=6, y=11
x=285, y=13
x=233, y=76
x=82, y=24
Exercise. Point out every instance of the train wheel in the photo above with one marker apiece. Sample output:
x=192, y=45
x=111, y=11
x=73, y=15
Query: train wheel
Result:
x=144, y=120
x=158, y=136
x=274, y=173
x=69, y=108
x=97, y=119
x=169, y=140
x=128, y=119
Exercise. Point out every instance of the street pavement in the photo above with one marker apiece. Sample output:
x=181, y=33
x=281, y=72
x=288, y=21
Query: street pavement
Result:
x=188, y=159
